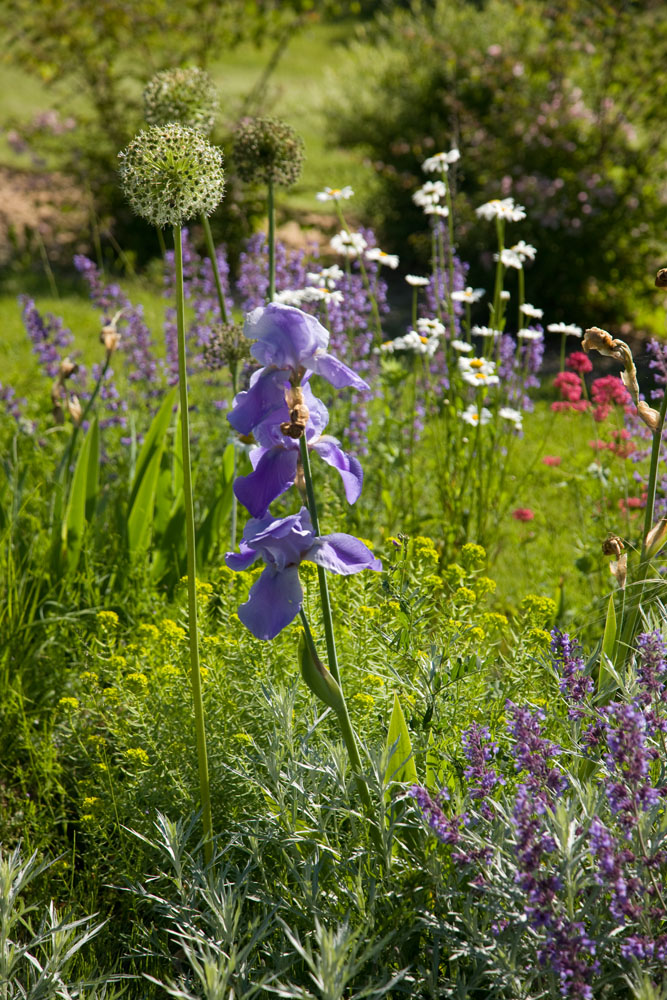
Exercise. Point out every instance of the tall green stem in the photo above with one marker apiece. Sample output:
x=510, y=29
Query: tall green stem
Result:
x=342, y=713
x=195, y=675
x=210, y=247
x=630, y=626
x=272, y=242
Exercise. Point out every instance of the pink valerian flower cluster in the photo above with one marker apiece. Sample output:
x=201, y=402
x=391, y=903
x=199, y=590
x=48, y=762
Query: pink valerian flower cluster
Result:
x=570, y=388
x=579, y=362
x=606, y=392
x=621, y=444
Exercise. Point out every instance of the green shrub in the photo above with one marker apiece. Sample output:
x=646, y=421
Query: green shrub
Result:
x=542, y=104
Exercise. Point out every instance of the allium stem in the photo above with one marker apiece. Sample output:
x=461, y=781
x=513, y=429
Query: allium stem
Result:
x=210, y=246
x=271, y=211
x=161, y=243
x=195, y=675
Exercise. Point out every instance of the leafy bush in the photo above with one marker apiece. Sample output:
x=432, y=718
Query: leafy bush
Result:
x=540, y=101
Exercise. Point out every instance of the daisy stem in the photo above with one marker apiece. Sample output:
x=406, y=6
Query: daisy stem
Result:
x=270, y=207
x=364, y=276
x=195, y=675
x=563, y=337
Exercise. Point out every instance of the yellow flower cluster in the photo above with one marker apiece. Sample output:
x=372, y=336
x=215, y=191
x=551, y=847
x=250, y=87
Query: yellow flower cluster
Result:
x=108, y=619
x=538, y=610
x=363, y=701
x=170, y=631
x=473, y=556
x=137, y=755
x=69, y=703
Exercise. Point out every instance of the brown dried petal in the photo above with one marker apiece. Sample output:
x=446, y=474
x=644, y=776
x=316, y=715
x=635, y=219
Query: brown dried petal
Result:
x=650, y=416
x=656, y=537
x=619, y=570
x=661, y=278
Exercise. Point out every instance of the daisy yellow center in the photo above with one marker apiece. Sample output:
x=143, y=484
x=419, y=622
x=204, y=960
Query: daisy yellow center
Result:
x=477, y=363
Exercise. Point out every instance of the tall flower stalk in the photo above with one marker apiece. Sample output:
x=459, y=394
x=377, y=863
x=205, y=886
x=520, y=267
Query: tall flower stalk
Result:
x=653, y=535
x=268, y=151
x=171, y=174
x=281, y=410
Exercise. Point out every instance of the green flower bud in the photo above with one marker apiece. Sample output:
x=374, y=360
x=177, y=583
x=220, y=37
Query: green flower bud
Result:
x=267, y=149
x=186, y=96
x=171, y=173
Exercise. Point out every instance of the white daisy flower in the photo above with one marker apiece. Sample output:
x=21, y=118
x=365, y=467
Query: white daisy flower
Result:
x=434, y=209
x=468, y=295
x=509, y=258
x=389, y=259
x=532, y=311
x=505, y=296
x=479, y=379
x=429, y=193
x=348, y=244
x=416, y=280
x=335, y=194
x=430, y=327
x=441, y=162
x=524, y=250
x=326, y=278
x=526, y=334
x=486, y=331
x=501, y=208
x=320, y=293
x=476, y=366
x=508, y=413
x=570, y=329
x=461, y=346
x=473, y=416
x=291, y=297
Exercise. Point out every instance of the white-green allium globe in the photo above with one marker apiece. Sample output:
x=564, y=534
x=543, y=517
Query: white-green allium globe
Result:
x=171, y=173
x=186, y=96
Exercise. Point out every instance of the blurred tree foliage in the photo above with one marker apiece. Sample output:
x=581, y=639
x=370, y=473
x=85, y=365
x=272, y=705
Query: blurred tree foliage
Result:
x=559, y=104
x=104, y=51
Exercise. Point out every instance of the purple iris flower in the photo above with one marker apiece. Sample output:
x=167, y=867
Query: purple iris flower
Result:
x=276, y=597
x=275, y=460
x=290, y=344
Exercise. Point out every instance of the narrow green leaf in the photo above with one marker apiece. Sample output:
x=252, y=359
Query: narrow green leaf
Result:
x=431, y=764
x=154, y=441
x=141, y=505
x=401, y=766
x=93, y=475
x=81, y=495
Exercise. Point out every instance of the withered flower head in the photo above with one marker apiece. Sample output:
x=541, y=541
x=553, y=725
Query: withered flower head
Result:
x=67, y=368
x=75, y=409
x=110, y=337
x=661, y=278
x=612, y=546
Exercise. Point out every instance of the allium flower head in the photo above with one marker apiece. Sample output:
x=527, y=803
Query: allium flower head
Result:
x=283, y=543
x=268, y=150
x=171, y=173
x=186, y=96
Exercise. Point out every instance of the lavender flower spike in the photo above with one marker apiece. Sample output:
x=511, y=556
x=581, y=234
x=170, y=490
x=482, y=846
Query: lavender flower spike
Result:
x=290, y=344
x=283, y=543
x=276, y=459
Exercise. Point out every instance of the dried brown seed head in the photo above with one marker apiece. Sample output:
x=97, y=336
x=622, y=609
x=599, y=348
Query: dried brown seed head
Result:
x=612, y=546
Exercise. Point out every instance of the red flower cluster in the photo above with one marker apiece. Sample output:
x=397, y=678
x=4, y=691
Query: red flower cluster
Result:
x=569, y=386
x=606, y=392
x=621, y=444
x=632, y=503
x=579, y=362
x=523, y=514
x=551, y=460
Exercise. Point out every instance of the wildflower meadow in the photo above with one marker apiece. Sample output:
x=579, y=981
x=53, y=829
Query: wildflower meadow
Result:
x=333, y=627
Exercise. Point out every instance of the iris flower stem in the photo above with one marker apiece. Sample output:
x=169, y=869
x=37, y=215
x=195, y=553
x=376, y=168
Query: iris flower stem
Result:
x=195, y=675
x=271, y=211
x=630, y=626
x=342, y=714
x=321, y=573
